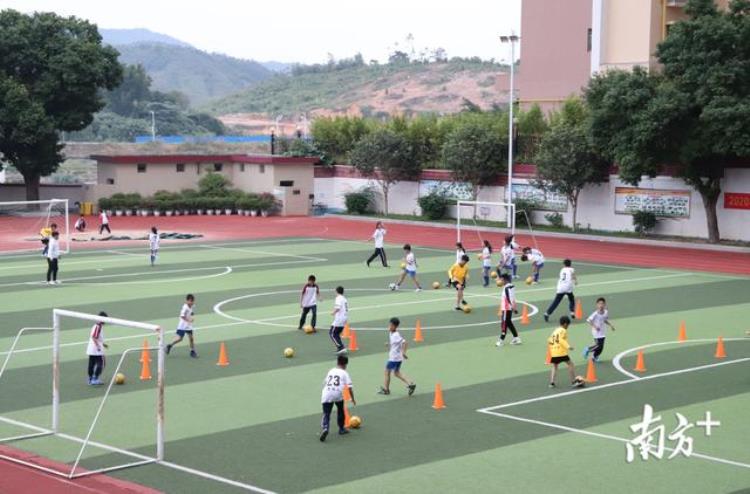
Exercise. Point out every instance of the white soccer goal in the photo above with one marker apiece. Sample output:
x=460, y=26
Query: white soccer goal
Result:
x=22, y=224
x=468, y=213
x=54, y=429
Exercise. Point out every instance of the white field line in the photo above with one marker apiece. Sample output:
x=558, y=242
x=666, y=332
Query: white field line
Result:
x=167, y=464
x=122, y=253
x=619, y=356
x=607, y=436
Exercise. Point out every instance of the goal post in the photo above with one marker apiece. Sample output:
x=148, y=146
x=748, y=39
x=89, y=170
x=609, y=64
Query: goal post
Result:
x=55, y=430
x=468, y=212
x=23, y=224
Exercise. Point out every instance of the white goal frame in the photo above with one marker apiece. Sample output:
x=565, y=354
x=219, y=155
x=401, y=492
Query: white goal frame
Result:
x=64, y=229
x=54, y=428
x=509, y=207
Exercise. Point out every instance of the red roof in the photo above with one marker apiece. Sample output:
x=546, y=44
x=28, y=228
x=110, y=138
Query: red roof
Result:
x=169, y=159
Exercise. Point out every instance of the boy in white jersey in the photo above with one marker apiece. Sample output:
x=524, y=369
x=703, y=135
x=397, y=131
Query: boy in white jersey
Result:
x=309, y=302
x=153, y=244
x=336, y=381
x=185, y=326
x=565, y=285
x=508, y=307
x=597, y=320
x=95, y=351
x=537, y=262
x=340, y=318
x=410, y=269
x=396, y=355
x=377, y=237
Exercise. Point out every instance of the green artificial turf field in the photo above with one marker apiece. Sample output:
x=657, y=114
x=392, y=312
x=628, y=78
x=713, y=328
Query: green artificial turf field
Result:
x=256, y=421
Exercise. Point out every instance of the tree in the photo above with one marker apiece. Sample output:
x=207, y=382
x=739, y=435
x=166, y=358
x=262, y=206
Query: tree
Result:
x=476, y=152
x=386, y=157
x=694, y=115
x=567, y=160
x=135, y=89
x=55, y=68
x=337, y=136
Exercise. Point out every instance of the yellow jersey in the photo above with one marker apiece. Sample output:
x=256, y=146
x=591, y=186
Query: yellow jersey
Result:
x=458, y=273
x=46, y=232
x=558, y=343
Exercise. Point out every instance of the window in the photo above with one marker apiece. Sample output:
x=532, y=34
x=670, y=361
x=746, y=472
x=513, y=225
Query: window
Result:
x=311, y=196
x=218, y=167
x=242, y=167
x=180, y=167
x=286, y=183
x=263, y=168
x=296, y=192
x=110, y=181
x=589, y=33
x=141, y=167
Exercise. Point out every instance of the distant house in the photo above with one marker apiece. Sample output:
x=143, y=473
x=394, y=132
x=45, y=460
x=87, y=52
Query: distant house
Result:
x=290, y=179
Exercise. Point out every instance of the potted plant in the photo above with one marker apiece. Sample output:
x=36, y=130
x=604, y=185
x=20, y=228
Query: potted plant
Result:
x=267, y=204
x=105, y=203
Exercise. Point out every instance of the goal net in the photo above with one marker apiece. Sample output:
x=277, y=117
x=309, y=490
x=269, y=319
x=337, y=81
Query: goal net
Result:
x=23, y=225
x=70, y=467
x=474, y=217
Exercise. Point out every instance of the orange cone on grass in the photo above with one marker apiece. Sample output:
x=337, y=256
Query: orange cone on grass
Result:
x=144, y=353
x=438, y=403
x=720, y=353
x=347, y=394
x=145, y=371
x=640, y=365
x=579, y=309
x=683, y=332
x=525, y=315
x=347, y=331
x=223, y=357
x=418, y=332
x=591, y=372
x=353, y=347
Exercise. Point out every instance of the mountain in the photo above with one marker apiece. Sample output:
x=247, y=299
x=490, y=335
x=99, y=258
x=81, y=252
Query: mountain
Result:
x=282, y=67
x=200, y=75
x=138, y=35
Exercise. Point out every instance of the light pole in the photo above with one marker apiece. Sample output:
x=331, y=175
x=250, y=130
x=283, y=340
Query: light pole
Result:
x=512, y=39
x=153, y=126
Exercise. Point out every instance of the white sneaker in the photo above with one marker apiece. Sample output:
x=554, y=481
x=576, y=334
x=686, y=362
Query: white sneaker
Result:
x=56, y=282
x=50, y=282
x=418, y=290
x=516, y=341
x=499, y=343
x=343, y=351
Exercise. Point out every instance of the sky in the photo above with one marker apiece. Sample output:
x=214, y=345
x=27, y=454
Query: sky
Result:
x=306, y=31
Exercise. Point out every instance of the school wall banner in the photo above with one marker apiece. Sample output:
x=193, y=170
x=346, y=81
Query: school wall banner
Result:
x=736, y=200
x=545, y=200
x=458, y=191
x=668, y=203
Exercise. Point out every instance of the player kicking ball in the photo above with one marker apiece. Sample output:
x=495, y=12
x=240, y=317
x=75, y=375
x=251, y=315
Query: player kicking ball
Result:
x=185, y=325
x=508, y=307
x=336, y=381
x=457, y=274
x=95, y=352
x=409, y=268
x=565, y=285
x=396, y=355
x=559, y=350
x=598, y=320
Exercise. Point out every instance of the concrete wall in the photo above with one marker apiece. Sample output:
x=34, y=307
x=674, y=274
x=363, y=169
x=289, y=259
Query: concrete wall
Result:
x=298, y=200
x=17, y=192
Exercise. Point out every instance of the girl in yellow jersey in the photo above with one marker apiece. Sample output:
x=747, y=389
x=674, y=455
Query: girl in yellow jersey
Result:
x=457, y=275
x=559, y=351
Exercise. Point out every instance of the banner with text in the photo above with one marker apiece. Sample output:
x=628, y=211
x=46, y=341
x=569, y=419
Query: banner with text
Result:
x=670, y=203
x=736, y=200
x=545, y=200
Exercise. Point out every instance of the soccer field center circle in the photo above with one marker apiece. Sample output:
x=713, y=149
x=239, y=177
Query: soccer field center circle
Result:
x=218, y=309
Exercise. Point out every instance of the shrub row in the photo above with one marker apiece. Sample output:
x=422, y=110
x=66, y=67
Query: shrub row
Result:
x=190, y=201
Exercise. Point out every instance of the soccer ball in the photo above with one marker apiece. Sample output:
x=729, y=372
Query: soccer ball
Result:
x=499, y=283
x=403, y=265
x=309, y=329
x=119, y=378
x=579, y=382
x=355, y=422
x=529, y=280
x=289, y=352
x=392, y=286
x=493, y=275
x=466, y=309
x=436, y=285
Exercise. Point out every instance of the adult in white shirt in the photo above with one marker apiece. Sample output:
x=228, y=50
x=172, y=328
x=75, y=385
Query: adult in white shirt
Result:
x=396, y=355
x=53, y=258
x=95, y=352
x=336, y=381
x=153, y=244
x=598, y=320
x=340, y=318
x=309, y=302
x=565, y=285
x=377, y=237
x=104, y=222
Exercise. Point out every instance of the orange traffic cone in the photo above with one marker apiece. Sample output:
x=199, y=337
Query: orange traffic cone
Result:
x=438, y=403
x=548, y=358
x=591, y=372
x=347, y=331
x=145, y=371
x=223, y=358
x=347, y=394
x=640, y=365
x=353, y=341
x=683, y=332
x=347, y=417
x=579, y=309
x=144, y=353
x=720, y=353
x=525, y=315
x=418, y=332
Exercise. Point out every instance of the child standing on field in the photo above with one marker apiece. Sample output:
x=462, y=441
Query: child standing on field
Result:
x=507, y=309
x=396, y=355
x=95, y=352
x=486, y=256
x=598, y=320
x=185, y=325
x=153, y=244
x=309, y=302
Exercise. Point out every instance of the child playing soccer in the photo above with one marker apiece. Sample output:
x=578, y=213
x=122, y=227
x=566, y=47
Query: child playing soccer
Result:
x=309, y=302
x=153, y=243
x=537, y=262
x=95, y=351
x=377, y=237
x=460, y=252
x=457, y=274
x=559, y=349
x=597, y=320
x=486, y=262
x=565, y=285
x=340, y=317
x=410, y=269
x=335, y=382
x=508, y=257
x=507, y=308
x=104, y=222
x=396, y=355
x=185, y=326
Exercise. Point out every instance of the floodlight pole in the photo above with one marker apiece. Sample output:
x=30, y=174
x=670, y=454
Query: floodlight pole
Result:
x=512, y=39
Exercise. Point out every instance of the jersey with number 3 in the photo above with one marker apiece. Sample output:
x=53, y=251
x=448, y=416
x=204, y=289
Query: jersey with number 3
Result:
x=333, y=386
x=565, y=282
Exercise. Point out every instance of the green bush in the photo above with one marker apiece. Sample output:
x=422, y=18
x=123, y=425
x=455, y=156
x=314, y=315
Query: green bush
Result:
x=359, y=202
x=555, y=219
x=434, y=205
x=214, y=185
x=267, y=202
x=105, y=203
x=644, y=222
